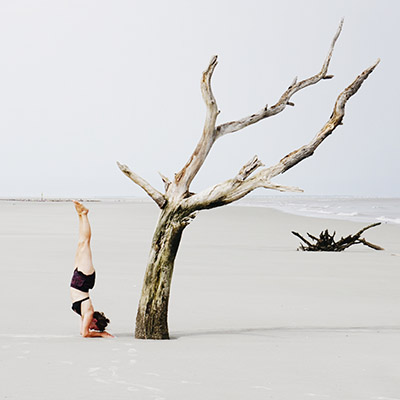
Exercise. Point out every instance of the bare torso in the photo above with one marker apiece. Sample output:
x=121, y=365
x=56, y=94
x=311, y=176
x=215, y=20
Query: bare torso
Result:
x=77, y=295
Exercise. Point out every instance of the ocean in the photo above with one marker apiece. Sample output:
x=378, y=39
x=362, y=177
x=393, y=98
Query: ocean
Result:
x=361, y=209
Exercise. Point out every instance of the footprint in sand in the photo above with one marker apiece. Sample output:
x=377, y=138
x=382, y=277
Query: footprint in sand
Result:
x=136, y=387
x=113, y=371
x=122, y=382
x=132, y=351
x=152, y=374
x=261, y=387
x=93, y=371
x=102, y=381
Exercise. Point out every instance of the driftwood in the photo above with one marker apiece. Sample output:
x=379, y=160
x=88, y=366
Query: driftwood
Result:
x=179, y=205
x=326, y=242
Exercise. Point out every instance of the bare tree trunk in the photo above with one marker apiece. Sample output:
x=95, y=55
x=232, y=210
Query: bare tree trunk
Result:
x=152, y=315
x=179, y=205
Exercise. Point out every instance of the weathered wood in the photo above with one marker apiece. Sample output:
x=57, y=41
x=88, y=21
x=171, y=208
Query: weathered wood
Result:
x=153, y=193
x=185, y=176
x=233, y=189
x=152, y=314
x=179, y=205
x=326, y=242
x=151, y=319
x=284, y=100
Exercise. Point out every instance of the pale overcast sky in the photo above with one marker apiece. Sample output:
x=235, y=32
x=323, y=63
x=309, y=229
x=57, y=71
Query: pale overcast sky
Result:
x=85, y=83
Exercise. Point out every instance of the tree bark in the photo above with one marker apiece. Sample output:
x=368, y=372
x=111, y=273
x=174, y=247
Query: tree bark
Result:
x=152, y=314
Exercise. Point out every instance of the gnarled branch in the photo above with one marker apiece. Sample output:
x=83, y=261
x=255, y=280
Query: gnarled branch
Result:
x=166, y=181
x=233, y=189
x=184, y=178
x=238, y=187
x=326, y=242
x=266, y=112
x=153, y=193
x=334, y=121
x=248, y=169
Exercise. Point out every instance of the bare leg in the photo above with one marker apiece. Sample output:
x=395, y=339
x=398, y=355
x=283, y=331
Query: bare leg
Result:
x=83, y=258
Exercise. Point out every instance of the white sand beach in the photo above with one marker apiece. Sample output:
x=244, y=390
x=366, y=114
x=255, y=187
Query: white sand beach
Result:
x=250, y=317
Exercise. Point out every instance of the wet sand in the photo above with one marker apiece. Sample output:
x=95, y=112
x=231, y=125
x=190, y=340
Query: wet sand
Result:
x=250, y=317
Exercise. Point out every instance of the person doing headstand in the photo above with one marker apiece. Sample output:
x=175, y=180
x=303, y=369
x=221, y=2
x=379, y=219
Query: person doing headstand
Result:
x=93, y=323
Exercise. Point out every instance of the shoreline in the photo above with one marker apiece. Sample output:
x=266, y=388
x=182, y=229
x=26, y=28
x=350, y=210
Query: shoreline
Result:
x=346, y=208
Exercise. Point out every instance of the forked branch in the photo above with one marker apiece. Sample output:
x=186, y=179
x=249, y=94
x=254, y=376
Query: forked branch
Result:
x=238, y=187
x=266, y=112
x=334, y=121
x=184, y=178
x=248, y=169
x=233, y=189
x=153, y=193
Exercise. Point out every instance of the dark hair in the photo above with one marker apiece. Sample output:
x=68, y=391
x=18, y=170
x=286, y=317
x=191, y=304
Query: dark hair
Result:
x=102, y=320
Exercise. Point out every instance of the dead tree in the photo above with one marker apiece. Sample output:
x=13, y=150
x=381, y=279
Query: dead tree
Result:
x=326, y=242
x=179, y=205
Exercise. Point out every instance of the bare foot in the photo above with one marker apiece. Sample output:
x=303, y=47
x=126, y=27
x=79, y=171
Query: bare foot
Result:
x=80, y=208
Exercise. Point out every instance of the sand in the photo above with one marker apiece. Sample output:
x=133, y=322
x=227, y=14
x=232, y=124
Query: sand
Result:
x=250, y=317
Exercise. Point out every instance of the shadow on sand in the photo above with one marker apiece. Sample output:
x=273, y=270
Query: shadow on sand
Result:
x=287, y=330
x=275, y=331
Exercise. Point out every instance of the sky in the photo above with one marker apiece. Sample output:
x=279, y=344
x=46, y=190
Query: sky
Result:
x=87, y=83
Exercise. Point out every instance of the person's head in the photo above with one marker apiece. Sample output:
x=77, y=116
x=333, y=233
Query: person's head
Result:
x=100, y=321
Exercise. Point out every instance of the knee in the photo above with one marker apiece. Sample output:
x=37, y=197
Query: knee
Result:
x=84, y=242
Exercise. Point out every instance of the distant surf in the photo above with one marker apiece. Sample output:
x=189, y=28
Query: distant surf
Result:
x=362, y=209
